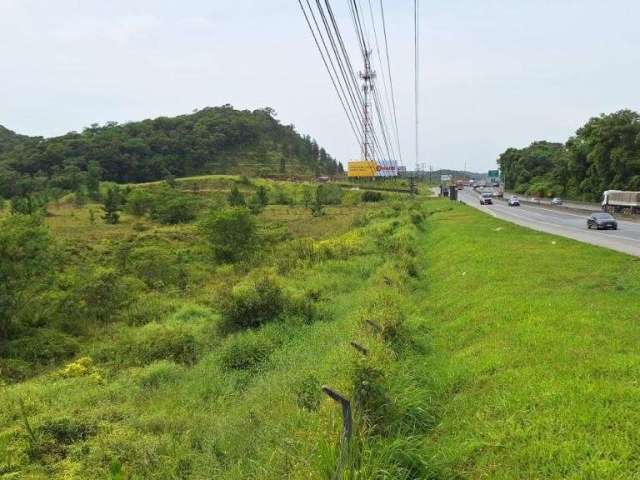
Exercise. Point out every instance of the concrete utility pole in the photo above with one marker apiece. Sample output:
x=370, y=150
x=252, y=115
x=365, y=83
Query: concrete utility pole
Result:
x=368, y=77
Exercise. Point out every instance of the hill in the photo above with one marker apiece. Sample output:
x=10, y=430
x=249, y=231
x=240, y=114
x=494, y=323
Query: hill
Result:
x=219, y=140
x=604, y=154
x=9, y=139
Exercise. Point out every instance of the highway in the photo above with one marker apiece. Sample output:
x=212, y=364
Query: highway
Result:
x=559, y=222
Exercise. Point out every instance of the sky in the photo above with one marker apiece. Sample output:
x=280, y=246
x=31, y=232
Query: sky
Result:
x=494, y=73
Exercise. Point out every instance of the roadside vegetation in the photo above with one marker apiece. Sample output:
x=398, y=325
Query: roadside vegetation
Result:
x=604, y=154
x=534, y=352
x=184, y=329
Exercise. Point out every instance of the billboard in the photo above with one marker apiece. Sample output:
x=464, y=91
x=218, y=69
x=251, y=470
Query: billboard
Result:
x=367, y=169
x=362, y=169
x=445, y=178
x=389, y=169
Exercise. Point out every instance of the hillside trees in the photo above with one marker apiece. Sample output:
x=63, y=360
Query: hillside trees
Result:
x=212, y=140
x=603, y=154
x=24, y=262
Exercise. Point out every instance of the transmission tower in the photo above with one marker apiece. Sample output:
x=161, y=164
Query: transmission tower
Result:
x=367, y=77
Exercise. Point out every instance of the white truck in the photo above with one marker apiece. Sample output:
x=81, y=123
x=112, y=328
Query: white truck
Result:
x=618, y=201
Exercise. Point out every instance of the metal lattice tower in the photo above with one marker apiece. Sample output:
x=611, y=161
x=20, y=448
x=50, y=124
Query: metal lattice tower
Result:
x=368, y=77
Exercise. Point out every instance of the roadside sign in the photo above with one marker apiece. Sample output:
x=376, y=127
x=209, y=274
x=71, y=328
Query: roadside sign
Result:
x=362, y=169
x=445, y=178
x=494, y=174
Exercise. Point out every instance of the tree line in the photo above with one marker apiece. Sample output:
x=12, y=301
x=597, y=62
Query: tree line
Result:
x=211, y=140
x=604, y=154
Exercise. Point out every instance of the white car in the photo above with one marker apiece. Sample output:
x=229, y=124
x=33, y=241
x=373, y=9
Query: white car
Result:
x=514, y=201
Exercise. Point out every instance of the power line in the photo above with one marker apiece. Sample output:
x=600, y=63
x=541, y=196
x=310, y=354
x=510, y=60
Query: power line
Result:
x=393, y=96
x=416, y=11
x=333, y=81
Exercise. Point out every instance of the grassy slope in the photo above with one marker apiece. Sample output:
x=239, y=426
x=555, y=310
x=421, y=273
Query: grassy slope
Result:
x=160, y=419
x=537, y=353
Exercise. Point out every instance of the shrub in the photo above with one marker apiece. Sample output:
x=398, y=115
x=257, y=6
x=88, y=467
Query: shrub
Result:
x=155, y=266
x=140, y=202
x=329, y=194
x=231, y=233
x=67, y=430
x=150, y=343
x=372, y=196
x=252, y=304
x=14, y=370
x=308, y=393
x=173, y=209
x=159, y=373
x=246, y=351
x=369, y=395
x=43, y=346
x=235, y=198
x=107, y=292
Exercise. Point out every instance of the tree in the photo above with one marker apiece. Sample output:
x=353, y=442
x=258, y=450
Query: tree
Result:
x=94, y=175
x=317, y=209
x=261, y=195
x=231, y=233
x=25, y=259
x=235, y=198
x=112, y=206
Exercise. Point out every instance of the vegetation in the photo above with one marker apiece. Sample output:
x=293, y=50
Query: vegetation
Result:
x=197, y=349
x=604, y=154
x=211, y=140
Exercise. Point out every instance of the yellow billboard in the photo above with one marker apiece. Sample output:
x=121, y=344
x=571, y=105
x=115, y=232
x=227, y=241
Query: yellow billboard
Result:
x=362, y=168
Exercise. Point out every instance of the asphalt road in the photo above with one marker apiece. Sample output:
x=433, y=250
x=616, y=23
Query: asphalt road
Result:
x=567, y=224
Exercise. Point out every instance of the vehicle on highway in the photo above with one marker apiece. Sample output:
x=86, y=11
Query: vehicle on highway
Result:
x=602, y=221
x=534, y=200
x=556, y=201
x=514, y=201
x=485, y=199
x=621, y=201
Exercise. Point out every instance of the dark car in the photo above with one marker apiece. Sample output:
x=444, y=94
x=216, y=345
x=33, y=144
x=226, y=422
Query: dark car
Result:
x=514, y=201
x=485, y=199
x=602, y=221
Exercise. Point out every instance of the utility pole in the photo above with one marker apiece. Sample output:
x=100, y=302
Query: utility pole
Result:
x=367, y=76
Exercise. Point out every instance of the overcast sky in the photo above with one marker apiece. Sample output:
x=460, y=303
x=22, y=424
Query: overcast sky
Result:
x=495, y=73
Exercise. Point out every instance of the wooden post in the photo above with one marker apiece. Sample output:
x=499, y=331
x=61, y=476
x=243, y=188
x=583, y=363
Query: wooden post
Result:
x=347, y=422
x=360, y=348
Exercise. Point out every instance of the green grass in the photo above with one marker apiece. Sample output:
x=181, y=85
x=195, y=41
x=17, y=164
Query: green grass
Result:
x=502, y=353
x=536, y=340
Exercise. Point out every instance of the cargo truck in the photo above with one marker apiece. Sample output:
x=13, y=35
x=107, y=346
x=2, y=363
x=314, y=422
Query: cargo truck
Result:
x=618, y=201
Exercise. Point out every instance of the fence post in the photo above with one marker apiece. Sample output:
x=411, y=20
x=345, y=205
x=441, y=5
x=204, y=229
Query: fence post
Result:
x=347, y=427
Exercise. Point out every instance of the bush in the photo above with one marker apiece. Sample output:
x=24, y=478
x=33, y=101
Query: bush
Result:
x=43, y=346
x=372, y=196
x=140, y=202
x=173, y=209
x=107, y=292
x=159, y=373
x=235, y=198
x=370, y=398
x=246, y=351
x=252, y=304
x=14, y=370
x=155, y=266
x=308, y=393
x=330, y=194
x=231, y=233
x=153, y=342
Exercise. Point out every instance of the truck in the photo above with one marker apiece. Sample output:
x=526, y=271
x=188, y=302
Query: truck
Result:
x=459, y=184
x=618, y=201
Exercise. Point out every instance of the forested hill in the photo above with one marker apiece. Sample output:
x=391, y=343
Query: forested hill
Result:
x=604, y=154
x=9, y=139
x=211, y=140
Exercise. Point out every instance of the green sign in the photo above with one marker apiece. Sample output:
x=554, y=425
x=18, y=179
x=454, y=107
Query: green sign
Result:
x=494, y=174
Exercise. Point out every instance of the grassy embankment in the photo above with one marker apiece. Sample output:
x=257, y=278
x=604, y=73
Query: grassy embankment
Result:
x=504, y=353
x=160, y=376
x=536, y=353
